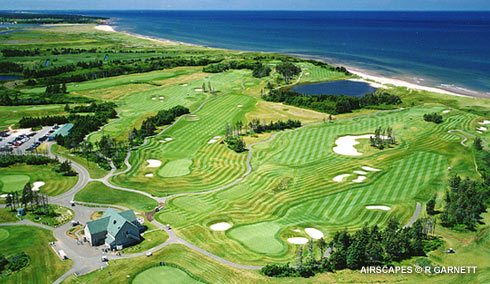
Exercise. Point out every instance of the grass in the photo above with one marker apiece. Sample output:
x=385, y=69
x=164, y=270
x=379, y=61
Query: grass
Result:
x=97, y=192
x=64, y=215
x=94, y=170
x=164, y=274
x=6, y=216
x=151, y=238
x=12, y=114
x=44, y=266
x=262, y=218
x=15, y=177
x=175, y=168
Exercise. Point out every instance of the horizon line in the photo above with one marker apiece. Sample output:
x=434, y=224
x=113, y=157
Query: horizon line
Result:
x=243, y=10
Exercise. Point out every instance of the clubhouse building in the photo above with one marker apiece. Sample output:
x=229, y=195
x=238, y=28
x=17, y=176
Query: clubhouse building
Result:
x=114, y=229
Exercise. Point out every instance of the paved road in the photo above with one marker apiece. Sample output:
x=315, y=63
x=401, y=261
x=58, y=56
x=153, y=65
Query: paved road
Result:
x=415, y=216
x=464, y=135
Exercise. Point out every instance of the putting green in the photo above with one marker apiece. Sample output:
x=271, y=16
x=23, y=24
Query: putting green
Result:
x=13, y=183
x=4, y=234
x=260, y=237
x=164, y=274
x=175, y=168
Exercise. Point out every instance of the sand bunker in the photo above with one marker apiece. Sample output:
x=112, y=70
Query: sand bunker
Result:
x=484, y=122
x=184, y=85
x=314, y=233
x=378, y=207
x=360, y=172
x=215, y=139
x=359, y=179
x=479, y=132
x=297, y=230
x=198, y=90
x=340, y=178
x=192, y=117
x=223, y=226
x=169, y=139
x=481, y=128
x=298, y=240
x=154, y=98
x=154, y=163
x=149, y=175
x=446, y=111
x=369, y=169
x=37, y=185
x=105, y=28
x=239, y=106
x=161, y=98
x=345, y=144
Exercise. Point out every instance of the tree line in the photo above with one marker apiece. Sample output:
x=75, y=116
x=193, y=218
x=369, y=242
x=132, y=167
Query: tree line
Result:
x=14, y=98
x=259, y=70
x=29, y=122
x=333, y=104
x=288, y=70
x=370, y=246
x=149, y=125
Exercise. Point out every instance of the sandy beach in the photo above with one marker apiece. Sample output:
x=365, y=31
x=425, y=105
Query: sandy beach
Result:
x=373, y=80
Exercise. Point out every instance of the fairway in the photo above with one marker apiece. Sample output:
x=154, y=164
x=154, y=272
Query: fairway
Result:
x=164, y=275
x=44, y=266
x=15, y=177
x=11, y=183
x=175, y=168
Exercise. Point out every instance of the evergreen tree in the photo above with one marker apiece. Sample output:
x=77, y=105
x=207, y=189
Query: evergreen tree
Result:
x=430, y=205
x=478, y=143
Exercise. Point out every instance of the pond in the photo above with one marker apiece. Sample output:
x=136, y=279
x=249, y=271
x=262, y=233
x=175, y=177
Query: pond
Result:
x=341, y=87
x=4, y=78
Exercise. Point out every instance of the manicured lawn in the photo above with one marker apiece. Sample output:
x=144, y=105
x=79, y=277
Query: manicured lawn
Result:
x=94, y=170
x=15, y=177
x=97, y=192
x=63, y=215
x=44, y=266
x=7, y=216
x=164, y=274
x=150, y=240
x=175, y=168
x=12, y=114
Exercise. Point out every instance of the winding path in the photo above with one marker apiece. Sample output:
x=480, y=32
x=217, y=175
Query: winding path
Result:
x=87, y=259
x=464, y=135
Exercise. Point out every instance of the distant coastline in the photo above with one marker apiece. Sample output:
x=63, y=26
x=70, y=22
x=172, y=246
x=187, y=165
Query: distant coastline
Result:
x=367, y=77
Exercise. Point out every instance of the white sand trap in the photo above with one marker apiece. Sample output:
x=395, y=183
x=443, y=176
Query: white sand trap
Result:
x=37, y=185
x=161, y=98
x=198, y=90
x=239, y=106
x=360, y=172
x=479, y=132
x=340, y=178
x=297, y=230
x=378, y=207
x=3, y=195
x=162, y=141
x=446, y=111
x=154, y=163
x=105, y=28
x=481, y=128
x=212, y=141
x=359, y=179
x=307, y=74
x=149, y=175
x=345, y=144
x=220, y=226
x=314, y=233
x=169, y=139
x=298, y=240
x=369, y=169
x=153, y=98
x=184, y=85
x=484, y=122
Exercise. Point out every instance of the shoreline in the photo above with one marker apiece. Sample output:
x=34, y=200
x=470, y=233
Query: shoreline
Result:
x=365, y=76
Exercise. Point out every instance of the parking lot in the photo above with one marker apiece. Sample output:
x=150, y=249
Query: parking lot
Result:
x=20, y=140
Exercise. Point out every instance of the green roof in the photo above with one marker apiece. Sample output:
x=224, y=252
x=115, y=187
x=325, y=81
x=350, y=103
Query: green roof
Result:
x=111, y=222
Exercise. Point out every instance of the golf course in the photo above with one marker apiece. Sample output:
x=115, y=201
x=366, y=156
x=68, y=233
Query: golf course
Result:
x=218, y=213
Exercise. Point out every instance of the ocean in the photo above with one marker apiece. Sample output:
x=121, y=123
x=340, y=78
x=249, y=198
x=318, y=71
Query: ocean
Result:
x=449, y=50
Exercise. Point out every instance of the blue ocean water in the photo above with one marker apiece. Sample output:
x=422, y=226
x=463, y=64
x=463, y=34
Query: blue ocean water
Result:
x=341, y=87
x=442, y=49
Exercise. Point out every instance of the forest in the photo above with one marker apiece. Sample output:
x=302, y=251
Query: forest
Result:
x=332, y=104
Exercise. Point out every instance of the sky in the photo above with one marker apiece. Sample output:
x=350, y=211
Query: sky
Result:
x=422, y=5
